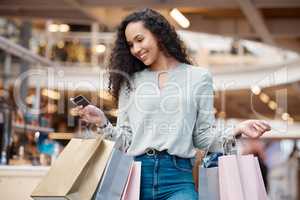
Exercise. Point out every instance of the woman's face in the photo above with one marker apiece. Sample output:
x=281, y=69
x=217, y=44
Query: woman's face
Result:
x=142, y=43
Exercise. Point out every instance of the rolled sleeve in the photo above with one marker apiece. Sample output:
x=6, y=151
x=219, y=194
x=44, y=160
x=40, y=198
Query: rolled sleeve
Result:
x=122, y=132
x=206, y=136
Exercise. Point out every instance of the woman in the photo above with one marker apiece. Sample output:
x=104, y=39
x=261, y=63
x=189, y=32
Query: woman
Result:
x=165, y=106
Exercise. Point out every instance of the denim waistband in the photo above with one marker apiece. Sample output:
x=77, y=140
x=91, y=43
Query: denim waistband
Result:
x=161, y=154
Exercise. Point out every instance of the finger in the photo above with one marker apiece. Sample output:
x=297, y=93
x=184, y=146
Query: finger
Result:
x=259, y=129
x=81, y=113
x=80, y=108
x=84, y=120
x=261, y=125
x=77, y=108
x=85, y=111
x=74, y=112
x=267, y=125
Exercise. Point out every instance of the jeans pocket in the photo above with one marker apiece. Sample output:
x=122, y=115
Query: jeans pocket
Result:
x=182, y=164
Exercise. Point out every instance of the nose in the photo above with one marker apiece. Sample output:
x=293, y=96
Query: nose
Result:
x=136, y=49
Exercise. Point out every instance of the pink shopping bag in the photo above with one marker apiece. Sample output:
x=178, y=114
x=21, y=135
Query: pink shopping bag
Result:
x=240, y=178
x=262, y=192
x=132, y=188
x=229, y=179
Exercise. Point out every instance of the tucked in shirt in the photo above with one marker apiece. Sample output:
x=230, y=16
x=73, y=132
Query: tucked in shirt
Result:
x=179, y=117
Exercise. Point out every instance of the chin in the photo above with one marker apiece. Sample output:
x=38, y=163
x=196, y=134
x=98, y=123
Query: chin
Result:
x=148, y=62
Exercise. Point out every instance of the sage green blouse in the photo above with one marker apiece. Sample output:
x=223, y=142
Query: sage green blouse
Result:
x=179, y=117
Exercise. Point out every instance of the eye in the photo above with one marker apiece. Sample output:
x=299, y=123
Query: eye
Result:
x=139, y=39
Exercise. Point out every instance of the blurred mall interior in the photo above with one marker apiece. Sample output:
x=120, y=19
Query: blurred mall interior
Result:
x=53, y=50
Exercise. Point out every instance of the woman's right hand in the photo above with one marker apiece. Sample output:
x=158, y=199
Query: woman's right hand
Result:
x=90, y=114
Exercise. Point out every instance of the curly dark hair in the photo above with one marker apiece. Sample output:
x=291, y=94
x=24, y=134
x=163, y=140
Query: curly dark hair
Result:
x=123, y=63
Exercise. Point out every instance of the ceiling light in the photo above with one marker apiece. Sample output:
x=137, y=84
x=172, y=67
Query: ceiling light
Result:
x=255, y=90
x=180, y=18
x=51, y=94
x=272, y=105
x=60, y=44
x=73, y=112
x=58, y=28
x=53, y=28
x=264, y=97
x=285, y=116
x=100, y=48
x=290, y=120
x=64, y=28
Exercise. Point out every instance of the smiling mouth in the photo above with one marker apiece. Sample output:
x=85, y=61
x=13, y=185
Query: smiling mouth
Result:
x=143, y=56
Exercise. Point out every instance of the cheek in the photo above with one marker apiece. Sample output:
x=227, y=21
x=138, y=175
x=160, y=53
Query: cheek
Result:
x=150, y=43
x=154, y=48
x=155, y=51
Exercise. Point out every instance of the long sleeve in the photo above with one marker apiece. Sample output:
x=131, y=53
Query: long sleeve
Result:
x=205, y=134
x=122, y=132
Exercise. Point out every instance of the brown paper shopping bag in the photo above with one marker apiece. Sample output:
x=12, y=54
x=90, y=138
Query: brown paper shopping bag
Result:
x=77, y=171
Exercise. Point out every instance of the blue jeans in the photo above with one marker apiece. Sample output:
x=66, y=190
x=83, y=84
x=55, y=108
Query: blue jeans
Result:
x=166, y=177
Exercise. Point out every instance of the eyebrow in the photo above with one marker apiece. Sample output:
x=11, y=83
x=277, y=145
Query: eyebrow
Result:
x=135, y=37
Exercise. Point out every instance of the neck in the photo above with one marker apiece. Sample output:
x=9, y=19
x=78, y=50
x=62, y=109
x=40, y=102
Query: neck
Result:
x=163, y=63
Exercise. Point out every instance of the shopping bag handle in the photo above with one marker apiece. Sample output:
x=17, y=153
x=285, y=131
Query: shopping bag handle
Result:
x=228, y=145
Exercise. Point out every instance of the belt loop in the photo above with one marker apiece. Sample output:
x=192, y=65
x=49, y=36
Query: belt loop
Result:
x=150, y=152
x=154, y=152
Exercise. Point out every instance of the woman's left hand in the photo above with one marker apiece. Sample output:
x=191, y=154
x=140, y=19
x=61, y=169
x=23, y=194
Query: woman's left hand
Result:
x=252, y=128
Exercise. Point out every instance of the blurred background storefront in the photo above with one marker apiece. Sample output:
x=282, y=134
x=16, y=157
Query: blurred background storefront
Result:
x=53, y=50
